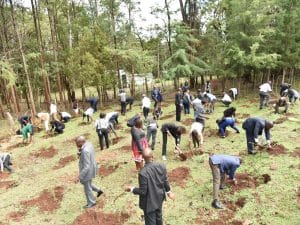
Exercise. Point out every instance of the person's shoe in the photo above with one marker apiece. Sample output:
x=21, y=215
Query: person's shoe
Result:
x=89, y=206
x=238, y=132
x=216, y=204
x=99, y=193
x=164, y=158
x=222, y=186
x=223, y=136
x=252, y=152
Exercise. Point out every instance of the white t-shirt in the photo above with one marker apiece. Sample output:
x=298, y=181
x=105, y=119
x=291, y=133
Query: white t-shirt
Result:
x=146, y=102
x=123, y=96
x=101, y=123
x=211, y=97
x=89, y=111
x=53, y=108
x=266, y=87
x=234, y=91
x=197, y=126
x=65, y=114
x=226, y=98
x=109, y=115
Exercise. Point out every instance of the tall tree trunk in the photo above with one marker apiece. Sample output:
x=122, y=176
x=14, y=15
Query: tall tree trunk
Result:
x=169, y=27
x=283, y=75
x=31, y=100
x=183, y=12
x=83, y=95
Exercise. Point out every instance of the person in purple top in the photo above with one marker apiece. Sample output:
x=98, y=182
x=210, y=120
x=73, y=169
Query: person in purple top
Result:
x=220, y=166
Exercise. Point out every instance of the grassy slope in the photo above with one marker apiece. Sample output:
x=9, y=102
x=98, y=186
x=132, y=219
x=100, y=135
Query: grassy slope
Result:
x=278, y=203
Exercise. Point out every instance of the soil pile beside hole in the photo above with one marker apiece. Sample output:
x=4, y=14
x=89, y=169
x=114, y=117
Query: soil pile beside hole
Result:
x=126, y=148
x=179, y=176
x=8, y=184
x=50, y=135
x=17, y=145
x=242, y=115
x=107, y=170
x=291, y=114
x=17, y=216
x=244, y=180
x=188, y=121
x=236, y=222
x=47, y=201
x=46, y=153
x=64, y=161
x=276, y=149
x=118, y=127
x=167, y=117
x=295, y=153
x=266, y=178
x=193, y=153
x=91, y=217
x=4, y=175
x=241, y=202
x=116, y=140
x=280, y=120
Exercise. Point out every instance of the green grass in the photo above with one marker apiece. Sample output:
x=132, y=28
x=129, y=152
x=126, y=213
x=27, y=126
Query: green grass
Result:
x=278, y=198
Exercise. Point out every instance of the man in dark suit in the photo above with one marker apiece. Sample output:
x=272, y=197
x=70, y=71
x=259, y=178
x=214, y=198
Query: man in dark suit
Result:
x=87, y=170
x=153, y=186
x=178, y=104
x=254, y=127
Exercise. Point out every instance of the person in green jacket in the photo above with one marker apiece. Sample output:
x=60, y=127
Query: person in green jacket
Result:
x=27, y=133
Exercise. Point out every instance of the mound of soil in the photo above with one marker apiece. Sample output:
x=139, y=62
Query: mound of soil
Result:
x=107, y=170
x=296, y=152
x=244, y=180
x=116, y=140
x=193, y=153
x=291, y=114
x=167, y=117
x=241, y=202
x=8, y=184
x=276, y=149
x=118, y=127
x=64, y=161
x=47, y=201
x=214, y=133
x=46, y=152
x=126, y=148
x=4, y=175
x=266, y=178
x=187, y=121
x=91, y=217
x=280, y=120
x=242, y=115
x=179, y=176
x=49, y=135
x=83, y=123
x=17, y=145
x=17, y=216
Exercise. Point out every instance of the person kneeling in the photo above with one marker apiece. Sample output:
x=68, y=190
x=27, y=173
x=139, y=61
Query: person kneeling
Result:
x=282, y=102
x=57, y=126
x=226, y=100
x=5, y=162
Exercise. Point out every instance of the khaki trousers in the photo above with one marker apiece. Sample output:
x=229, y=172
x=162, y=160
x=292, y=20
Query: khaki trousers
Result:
x=218, y=179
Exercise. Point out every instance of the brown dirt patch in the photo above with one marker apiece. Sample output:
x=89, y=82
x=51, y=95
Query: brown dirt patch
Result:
x=116, y=140
x=64, y=161
x=188, y=121
x=83, y=123
x=214, y=133
x=4, y=175
x=17, y=145
x=17, y=216
x=241, y=202
x=126, y=148
x=167, y=117
x=244, y=180
x=91, y=217
x=242, y=115
x=50, y=135
x=47, y=201
x=119, y=127
x=179, y=176
x=296, y=152
x=291, y=114
x=280, y=120
x=107, y=170
x=191, y=154
x=276, y=149
x=46, y=152
x=266, y=178
x=298, y=195
x=8, y=184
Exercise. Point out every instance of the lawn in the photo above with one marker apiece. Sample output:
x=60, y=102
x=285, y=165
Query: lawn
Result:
x=43, y=188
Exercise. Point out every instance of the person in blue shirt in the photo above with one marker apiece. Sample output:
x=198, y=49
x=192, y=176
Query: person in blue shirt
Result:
x=255, y=126
x=93, y=102
x=225, y=122
x=222, y=165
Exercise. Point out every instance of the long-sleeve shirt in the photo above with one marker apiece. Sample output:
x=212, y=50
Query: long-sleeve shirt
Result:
x=227, y=163
x=65, y=114
x=173, y=129
x=257, y=126
x=122, y=97
x=53, y=109
x=110, y=115
x=266, y=87
x=226, y=98
x=137, y=135
x=2, y=159
x=211, y=97
x=177, y=99
x=146, y=102
x=101, y=124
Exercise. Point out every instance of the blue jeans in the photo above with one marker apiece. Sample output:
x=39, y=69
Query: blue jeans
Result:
x=227, y=122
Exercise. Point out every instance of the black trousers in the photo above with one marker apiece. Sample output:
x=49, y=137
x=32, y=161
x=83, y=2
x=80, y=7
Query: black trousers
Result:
x=178, y=113
x=7, y=163
x=250, y=141
x=154, y=218
x=164, y=144
x=123, y=108
x=103, y=134
x=263, y=96
x=145, y=112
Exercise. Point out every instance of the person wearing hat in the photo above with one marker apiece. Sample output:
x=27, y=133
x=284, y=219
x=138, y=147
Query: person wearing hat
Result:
x=255, y=126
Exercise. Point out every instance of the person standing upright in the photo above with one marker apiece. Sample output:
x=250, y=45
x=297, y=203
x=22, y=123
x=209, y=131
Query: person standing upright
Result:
x=123, y=101
x=87, y=170
x=264, y=95
x=187, y=100
x=93, y=103
x=146, y=103
x=154, y=96
x=178, y=104
x=102, y=129
x=152, y=190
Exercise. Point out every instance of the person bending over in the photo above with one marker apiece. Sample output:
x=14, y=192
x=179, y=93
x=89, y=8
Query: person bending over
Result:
x=88, y=114
x=65, y=116
x=5, y=162
x=226, y=100
x=196, y=131
x=225, y=122
x=281, y=102
x=57, y=126
x=152, y=131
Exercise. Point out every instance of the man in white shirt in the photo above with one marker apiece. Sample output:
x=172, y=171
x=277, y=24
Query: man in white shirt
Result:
x=65, y=116
x=264, y=95
x=146, y=105
x=226, y=100
x=102, y=126
x=88, y=114
x=211, y=100
x=233, y=92
x=198, y=107
x=123, y=101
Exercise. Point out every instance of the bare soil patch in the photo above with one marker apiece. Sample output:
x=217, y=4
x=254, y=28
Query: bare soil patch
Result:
x=188, y=121
x=167, y=117
x=119, y=127
x=291, y=114
x=116, y=140
x=191, y=154
x=107, y=170
x=8, y=184
x=64, y=161
x=17, y=145
x=126, y=148
x=244, y=180
x=91, y=217
x=179, y=176
x=298, y=195
x=83, y=123
x=46, y=152
x=276, y=149
x=4, y=175
x=296, y=152
x=17, y=216
x=242, y=115
x=266, y=178
x=48, y=201
x=214, y=133
x=280, y=120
